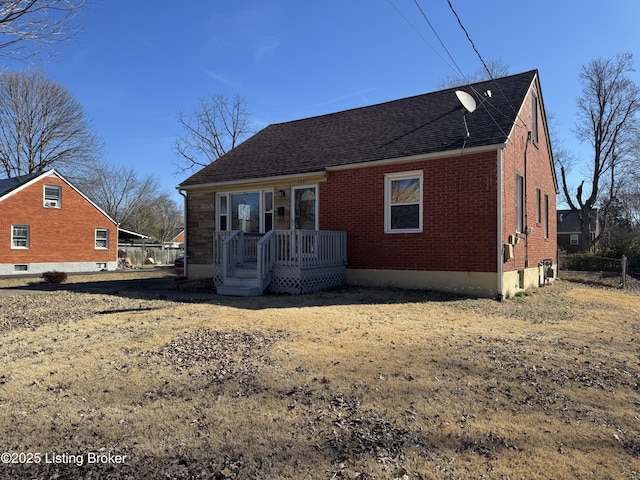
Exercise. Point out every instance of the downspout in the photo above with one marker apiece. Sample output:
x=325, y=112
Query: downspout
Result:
x=117, y=246
x=499, y=227
x=184, y=214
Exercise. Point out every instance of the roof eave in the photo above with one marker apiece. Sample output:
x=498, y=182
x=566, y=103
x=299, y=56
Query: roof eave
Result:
x=231, y=183
x=417, y=158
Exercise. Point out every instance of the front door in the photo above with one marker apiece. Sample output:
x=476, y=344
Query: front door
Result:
x=305, y=208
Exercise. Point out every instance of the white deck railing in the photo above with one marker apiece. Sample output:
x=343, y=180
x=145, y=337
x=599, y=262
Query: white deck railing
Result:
x=310, y=248
x=284, y=248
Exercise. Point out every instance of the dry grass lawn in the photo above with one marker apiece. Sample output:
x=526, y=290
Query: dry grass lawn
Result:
x=355, y=383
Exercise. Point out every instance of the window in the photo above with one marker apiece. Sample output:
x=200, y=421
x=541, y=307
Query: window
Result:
x=251, y=212
x=546, y=216
x=267, y=207
x=538, y=206
x=534, y=119
x=20, y=236
x=519, y=203
x=52, y=196
x=245, y=212
x=102, y=238
x=21, y=268
x=573, y=239
x=403, y=202
x=223, y=213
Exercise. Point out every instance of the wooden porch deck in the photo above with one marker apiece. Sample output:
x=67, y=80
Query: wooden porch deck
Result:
x=280, y=261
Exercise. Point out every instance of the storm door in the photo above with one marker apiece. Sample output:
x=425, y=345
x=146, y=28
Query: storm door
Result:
x=305, y=208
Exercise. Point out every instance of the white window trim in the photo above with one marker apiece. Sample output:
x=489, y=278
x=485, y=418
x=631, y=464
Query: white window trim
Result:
x=52, y=203
x=96, y=239
x=261, y=192
x=574, y=239
x=20, y=247
x=390, y=177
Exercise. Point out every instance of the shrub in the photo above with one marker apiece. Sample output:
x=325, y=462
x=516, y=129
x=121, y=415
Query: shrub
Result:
x=54, y=277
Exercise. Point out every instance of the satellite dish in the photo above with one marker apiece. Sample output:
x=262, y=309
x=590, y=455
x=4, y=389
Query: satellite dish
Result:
x=467, y=101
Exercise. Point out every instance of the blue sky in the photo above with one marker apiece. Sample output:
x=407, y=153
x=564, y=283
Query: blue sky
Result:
x=135, y=65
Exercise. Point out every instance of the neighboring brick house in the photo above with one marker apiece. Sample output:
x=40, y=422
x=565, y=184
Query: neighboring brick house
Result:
x=570, y=230
x=48, y=224
x=430, y=195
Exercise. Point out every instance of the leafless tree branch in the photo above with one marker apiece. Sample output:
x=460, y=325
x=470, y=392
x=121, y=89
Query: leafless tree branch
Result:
x=30, y=27
x=42, y=126
x=216, y=127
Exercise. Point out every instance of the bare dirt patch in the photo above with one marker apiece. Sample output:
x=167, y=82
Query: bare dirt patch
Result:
x=355, y=383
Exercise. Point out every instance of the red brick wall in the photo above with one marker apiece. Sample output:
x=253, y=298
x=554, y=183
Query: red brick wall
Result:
x=539, y=174
x=65, y=234
x=459, y=215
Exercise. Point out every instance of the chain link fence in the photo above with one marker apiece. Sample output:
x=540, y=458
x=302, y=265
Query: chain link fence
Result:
x=588, y=268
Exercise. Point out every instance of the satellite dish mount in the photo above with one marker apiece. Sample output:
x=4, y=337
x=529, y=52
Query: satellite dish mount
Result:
x=469, y=104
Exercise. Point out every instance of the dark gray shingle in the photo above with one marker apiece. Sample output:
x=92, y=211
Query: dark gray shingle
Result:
x=417, y=125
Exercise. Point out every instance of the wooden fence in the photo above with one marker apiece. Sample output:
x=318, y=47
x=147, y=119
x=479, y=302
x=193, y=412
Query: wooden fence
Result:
x=152, y=254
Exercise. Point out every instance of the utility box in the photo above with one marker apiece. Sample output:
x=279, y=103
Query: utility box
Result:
x=508, y=252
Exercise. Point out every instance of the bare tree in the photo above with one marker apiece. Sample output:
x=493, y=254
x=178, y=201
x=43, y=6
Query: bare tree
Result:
x=169, y=218
x=119, y=191
x=216, y=127
x=497, y=68
x=608, y=120
x=41, y=126
x=159, y=217
x=30, y=27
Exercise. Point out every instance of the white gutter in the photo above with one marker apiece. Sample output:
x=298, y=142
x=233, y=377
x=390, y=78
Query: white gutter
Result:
x=499, y=225
x=417, y=158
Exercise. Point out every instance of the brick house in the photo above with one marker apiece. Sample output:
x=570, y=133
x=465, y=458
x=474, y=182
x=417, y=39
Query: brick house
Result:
x=429, y=194
x=48, y=224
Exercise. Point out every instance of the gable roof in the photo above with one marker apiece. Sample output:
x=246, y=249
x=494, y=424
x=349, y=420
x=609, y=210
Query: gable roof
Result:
x=9, y=186
x=569, y=221
x=418, y=125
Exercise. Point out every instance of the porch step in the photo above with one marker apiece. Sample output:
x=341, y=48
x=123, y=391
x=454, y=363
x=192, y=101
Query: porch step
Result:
x=239, y=291
x=248, y=270
x=243, y=283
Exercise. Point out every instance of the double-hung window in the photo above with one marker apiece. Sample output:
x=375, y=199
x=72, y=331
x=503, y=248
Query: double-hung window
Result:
x=52, y=196
x=20, y=236
x=403, y=202
x=102, y=238
x=546, y=216
x=534, y=119
x=519, y=203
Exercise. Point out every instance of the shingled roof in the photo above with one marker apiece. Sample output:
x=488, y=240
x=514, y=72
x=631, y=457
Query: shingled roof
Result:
x=418, y=125
x=9, y=184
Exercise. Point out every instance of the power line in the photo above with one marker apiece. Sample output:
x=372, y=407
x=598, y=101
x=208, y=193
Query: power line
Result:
x=473, y=45
x=420, y=34
x=424, y=15
x=457, y=68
